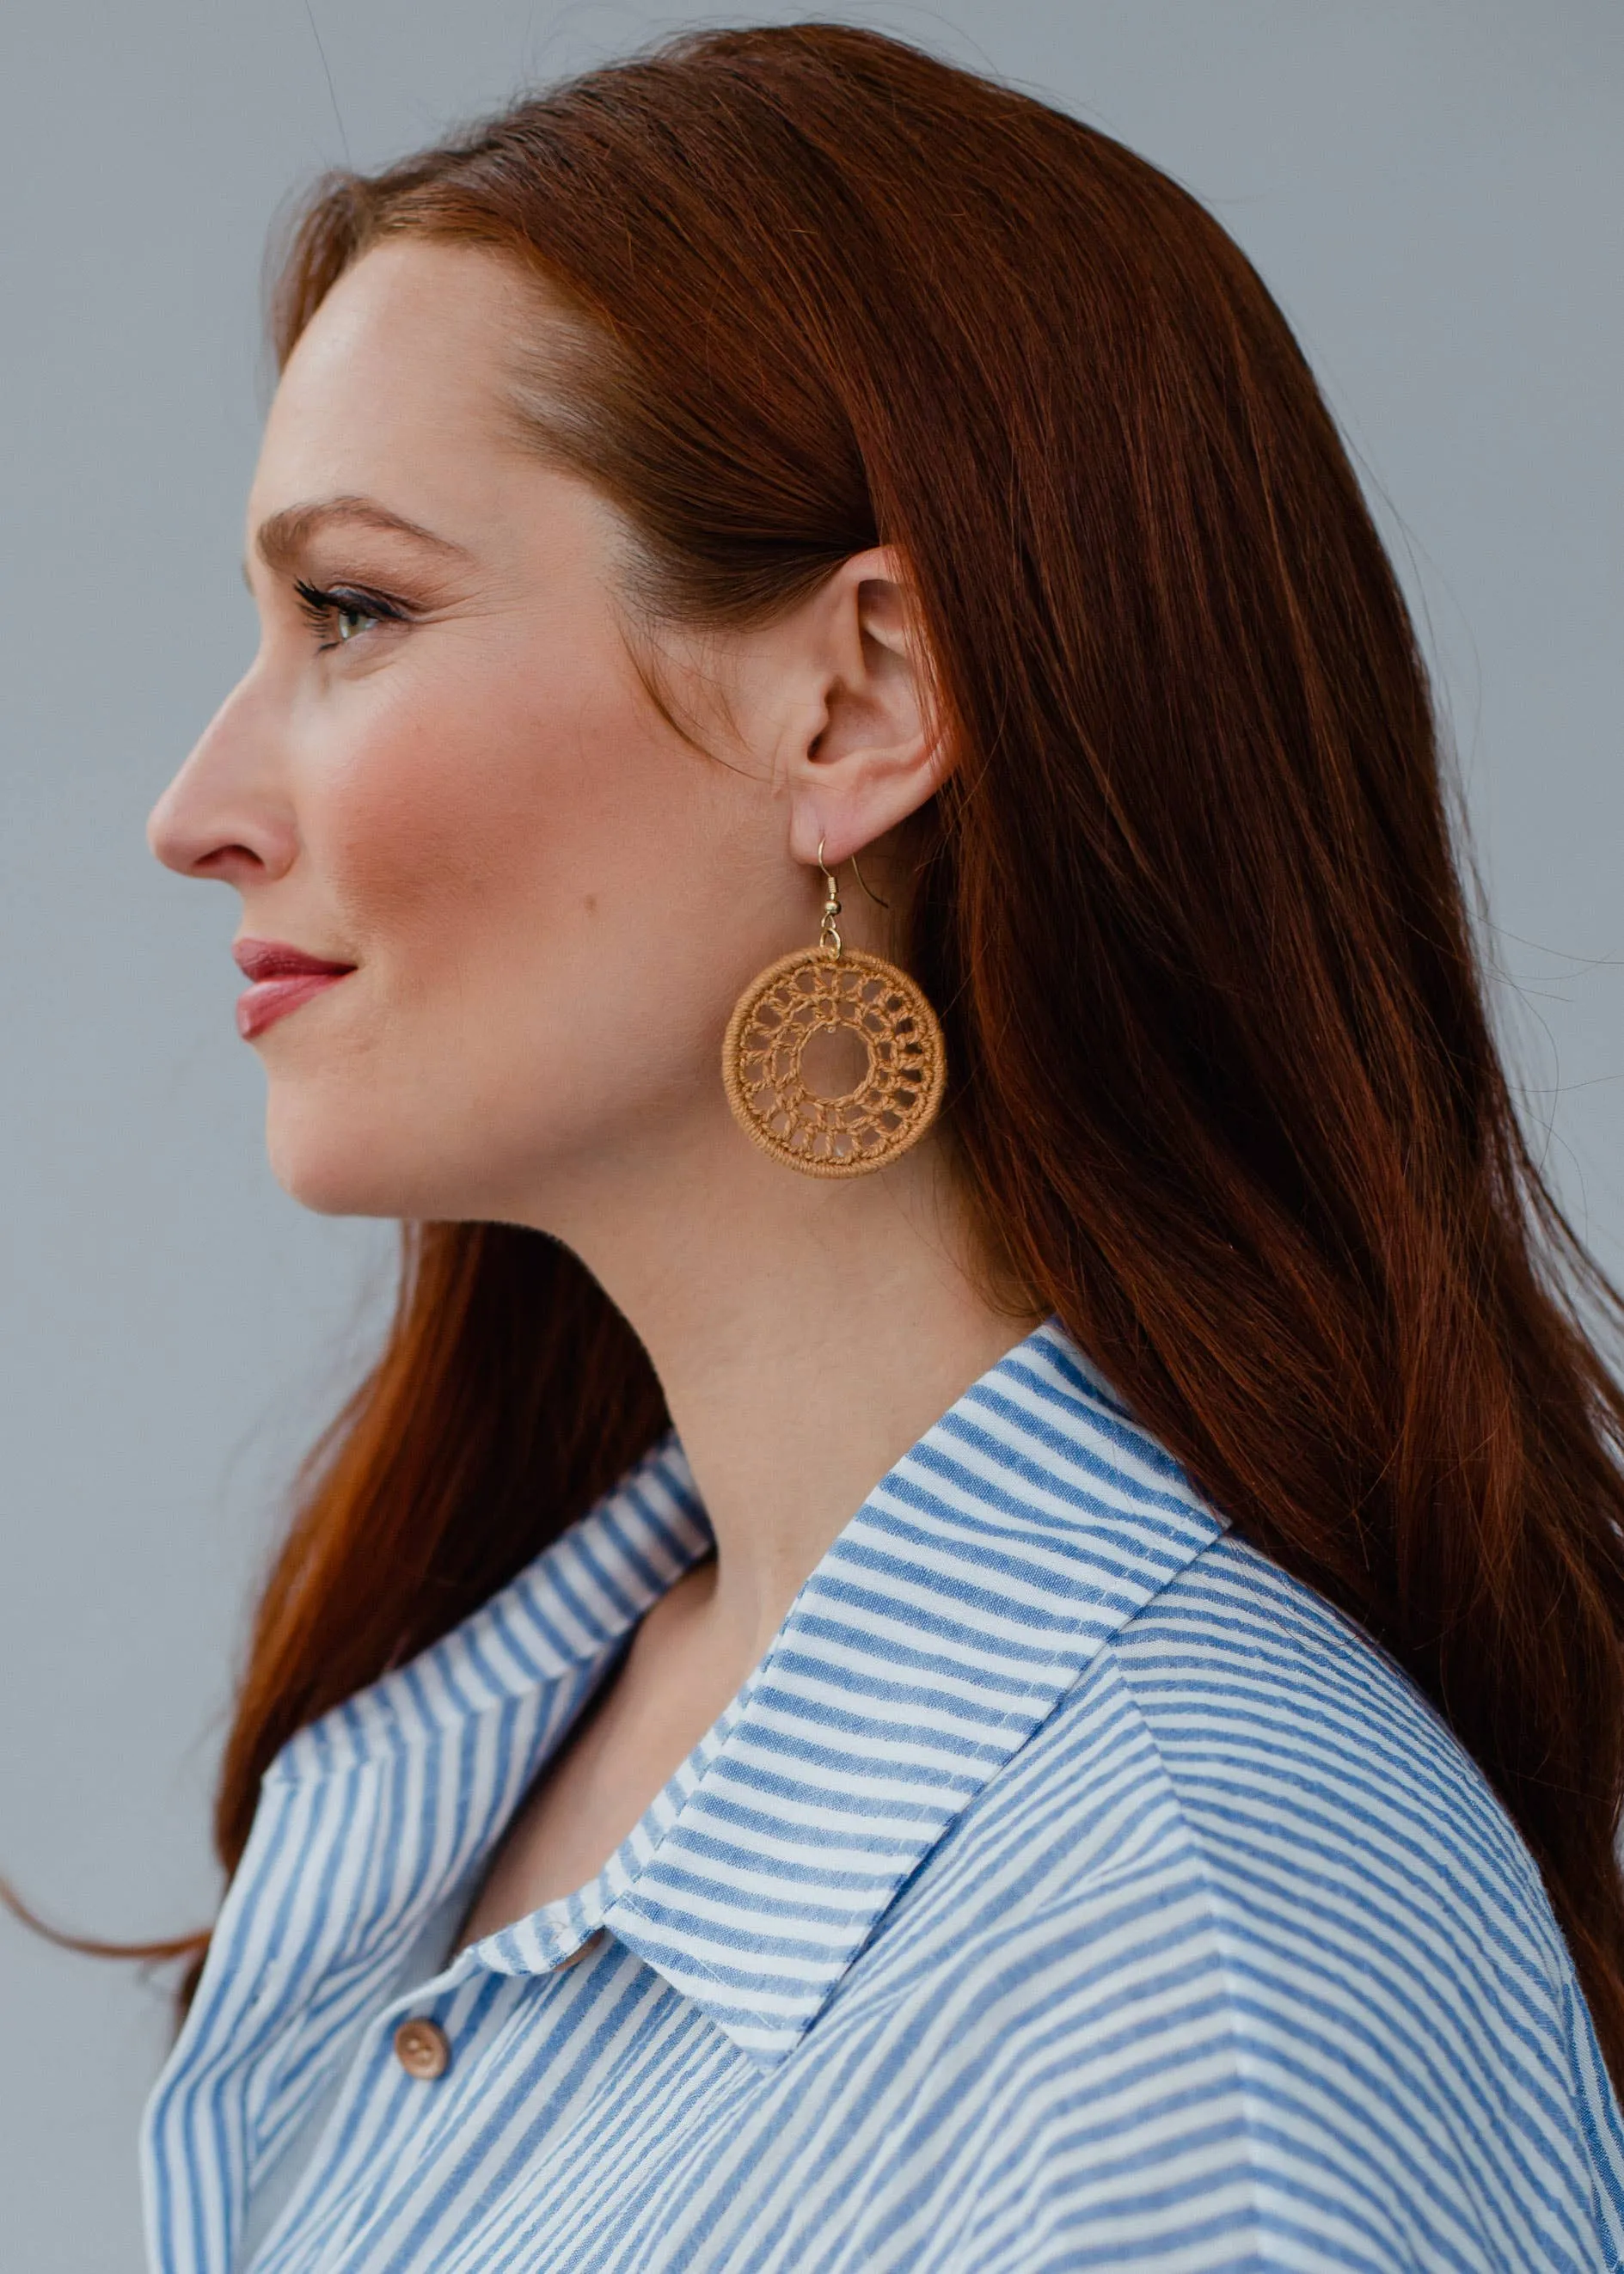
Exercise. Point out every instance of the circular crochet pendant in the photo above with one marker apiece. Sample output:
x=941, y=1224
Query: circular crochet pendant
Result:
x=833, y=1062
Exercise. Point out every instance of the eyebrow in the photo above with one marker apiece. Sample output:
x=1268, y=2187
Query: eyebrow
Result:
x=281, y=538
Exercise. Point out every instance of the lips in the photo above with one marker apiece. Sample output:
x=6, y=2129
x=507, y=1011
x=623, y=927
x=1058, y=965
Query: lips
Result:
x=282, y=979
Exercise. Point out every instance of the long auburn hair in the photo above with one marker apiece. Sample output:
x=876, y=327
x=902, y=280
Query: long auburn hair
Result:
x=1226, y=1094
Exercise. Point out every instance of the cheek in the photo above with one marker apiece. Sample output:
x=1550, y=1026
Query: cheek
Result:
x=529, y=873
x=554, y=900
x=463, y=825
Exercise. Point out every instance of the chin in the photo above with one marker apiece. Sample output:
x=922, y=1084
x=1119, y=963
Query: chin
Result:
x=337, y=1188
x=335, y=1166
x=341, y=1151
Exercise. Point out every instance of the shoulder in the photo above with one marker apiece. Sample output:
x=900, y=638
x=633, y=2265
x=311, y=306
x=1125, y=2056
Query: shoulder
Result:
x=1249, y=1929
x=1308, y=1771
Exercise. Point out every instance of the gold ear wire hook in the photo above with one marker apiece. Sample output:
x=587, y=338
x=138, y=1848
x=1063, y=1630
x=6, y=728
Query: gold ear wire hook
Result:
x=829, y=931
x=869, y=888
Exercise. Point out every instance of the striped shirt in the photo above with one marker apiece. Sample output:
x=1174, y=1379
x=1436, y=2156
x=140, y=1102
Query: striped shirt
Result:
x=1066, y=1887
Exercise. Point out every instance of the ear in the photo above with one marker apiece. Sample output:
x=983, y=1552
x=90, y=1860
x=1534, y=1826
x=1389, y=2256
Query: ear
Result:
x=868, y=751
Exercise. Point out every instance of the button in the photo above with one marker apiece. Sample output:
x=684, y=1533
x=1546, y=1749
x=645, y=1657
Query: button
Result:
x=423, y=2049
x=585, y=1951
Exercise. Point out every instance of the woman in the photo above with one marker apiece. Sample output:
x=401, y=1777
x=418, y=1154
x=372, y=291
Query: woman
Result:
x=1049, y=1692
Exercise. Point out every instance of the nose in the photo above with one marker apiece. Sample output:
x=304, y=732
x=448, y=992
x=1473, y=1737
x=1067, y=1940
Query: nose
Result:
x=227, y=814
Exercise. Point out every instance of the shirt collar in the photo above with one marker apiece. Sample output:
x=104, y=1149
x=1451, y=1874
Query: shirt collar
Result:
x=955, y=1607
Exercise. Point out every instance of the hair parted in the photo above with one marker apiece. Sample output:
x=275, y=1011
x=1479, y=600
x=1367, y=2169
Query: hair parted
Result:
x=1223, y=1088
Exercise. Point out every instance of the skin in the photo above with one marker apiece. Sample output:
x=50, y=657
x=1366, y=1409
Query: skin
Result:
x=552, y=900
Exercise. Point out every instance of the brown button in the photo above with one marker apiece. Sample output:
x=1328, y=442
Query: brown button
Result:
x=423, y=2049
x=585, y=1951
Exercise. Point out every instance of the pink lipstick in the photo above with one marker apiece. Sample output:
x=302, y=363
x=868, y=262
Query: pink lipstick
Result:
x=282, y=978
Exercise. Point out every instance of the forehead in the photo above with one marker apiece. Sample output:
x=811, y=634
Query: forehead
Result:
x=402, y=376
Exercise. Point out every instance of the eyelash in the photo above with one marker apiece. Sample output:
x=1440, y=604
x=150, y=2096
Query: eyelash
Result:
x=320, y=608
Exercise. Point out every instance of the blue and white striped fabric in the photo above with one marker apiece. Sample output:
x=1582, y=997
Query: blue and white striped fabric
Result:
x=1065, y=1888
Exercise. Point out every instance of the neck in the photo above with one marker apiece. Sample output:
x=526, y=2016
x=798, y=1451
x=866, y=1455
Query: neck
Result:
x=806, y=1333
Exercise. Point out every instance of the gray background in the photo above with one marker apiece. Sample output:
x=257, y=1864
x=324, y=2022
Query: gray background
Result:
x=1432, y=190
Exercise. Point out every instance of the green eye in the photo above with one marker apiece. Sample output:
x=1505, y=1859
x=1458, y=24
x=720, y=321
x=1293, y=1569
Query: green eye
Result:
x=339, y=616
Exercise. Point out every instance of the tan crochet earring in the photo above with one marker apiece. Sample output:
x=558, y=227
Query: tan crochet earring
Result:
x=894, y=1087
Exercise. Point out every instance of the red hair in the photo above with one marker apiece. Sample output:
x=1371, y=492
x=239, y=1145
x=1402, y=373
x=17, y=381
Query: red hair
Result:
x=1225, y=1095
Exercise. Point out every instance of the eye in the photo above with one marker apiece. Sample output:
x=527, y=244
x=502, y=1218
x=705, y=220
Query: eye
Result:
x=344, y=612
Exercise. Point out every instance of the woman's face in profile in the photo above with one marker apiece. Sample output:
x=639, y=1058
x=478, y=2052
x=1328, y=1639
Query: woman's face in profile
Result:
x=443, y=779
